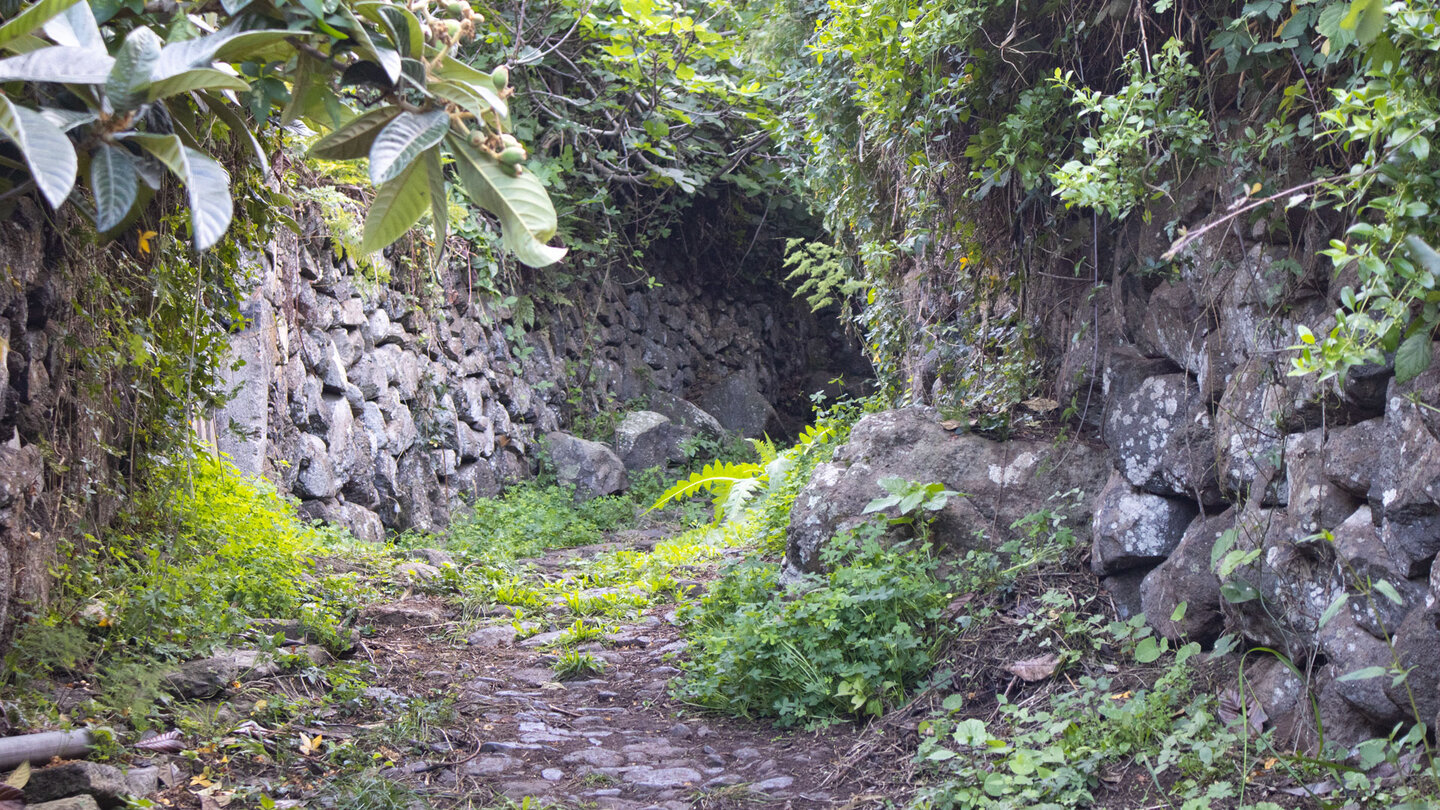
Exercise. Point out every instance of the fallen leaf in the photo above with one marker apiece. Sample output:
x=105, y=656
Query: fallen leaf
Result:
x=951, y=424
x=1122, y=695
x=1035, y=669
x=11, y=798
x=1041, y=404
x=1233, y=706
x=167, y=743
x=19, y=777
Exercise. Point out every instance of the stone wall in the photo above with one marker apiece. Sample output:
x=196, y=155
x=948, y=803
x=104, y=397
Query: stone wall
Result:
x=379, y=412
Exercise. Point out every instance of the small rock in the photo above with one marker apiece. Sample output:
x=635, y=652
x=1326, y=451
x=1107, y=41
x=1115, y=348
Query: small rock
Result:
x=487, y=637
x=647, y=777
x=595, y=758
x=72, y=803
x=680, y=731
x=552, y=774
x=746, y=754
x=490, y=766
x=417, y=571
x=724, y=780
x=714, y=761
x=402, y=614
x=776, y=783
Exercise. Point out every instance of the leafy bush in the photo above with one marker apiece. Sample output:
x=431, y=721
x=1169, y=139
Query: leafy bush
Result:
x=850, y=644
x=530, y=518
x=158, y=103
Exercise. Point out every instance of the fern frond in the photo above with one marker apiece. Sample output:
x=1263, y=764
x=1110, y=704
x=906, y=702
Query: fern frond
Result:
x=716, y=478
x=765, y=448
x=740, y=494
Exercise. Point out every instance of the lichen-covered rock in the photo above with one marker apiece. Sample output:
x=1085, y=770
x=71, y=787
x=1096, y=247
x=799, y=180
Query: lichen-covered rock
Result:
x=1002, y=481
x=1161, y=440
x=1248, y=441
x=1364, y=561
x=1315, y=503
x=646, y=439
x=208, y=677
x=1185, y=578
x=591, y=467
x=737, y=404
x=1352, y=457
x=1406, y=487
x=687, y=414
x=1131, y=528
x=1417, y=649
x=107, y=785
x=1289, y=583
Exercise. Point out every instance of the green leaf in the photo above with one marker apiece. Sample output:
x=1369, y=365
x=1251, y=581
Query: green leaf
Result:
x=239, y=128
x=439, y=200
x=1413, y=357
x=114, y=184
x=1237, y=591
x=1148, y=650
x=475, y=99
x=404, y=27
x=198, y=79
x=398, y=205
x=47, y=152
x=1363, y=674
x=1366, y=18
x=385, y=57
x=1334, y=608
x=1389, y=592
x=953, y=703
x=129, y=79
x=353, y=140
x=1179, y=612
x=66, y=120
x=527, y=217
x=58, y=64
x=34, y=16
x=402, y=140
x=221, y=46
x=206, y=183
x=76, y=26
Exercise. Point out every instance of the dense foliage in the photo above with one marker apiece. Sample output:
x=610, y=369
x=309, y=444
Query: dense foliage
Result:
x=103, y=96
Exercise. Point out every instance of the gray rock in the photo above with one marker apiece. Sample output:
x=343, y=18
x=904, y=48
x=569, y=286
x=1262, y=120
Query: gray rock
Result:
x=107, y=785
x=1406, y=487
x=1124, y=590
x=737, y=404
x=1185, y=578
x=73, y=803
x=317, y=476
x=646, y=439
x=1417, y=648
x=644, y=776
x=686, y=414
x=491, y=765
x=595, y=758
x=1351, y=458
x=433, y=556
x=1003, y=482
x=497, y=636
x=208, y=677
x=1161, y=440
x=1248, y=440
x=1132, y=528
x=1350, y=649
x=402, y=614
x=1364, y=560
x=591, y=467
x=415, y=571
x=772, y=784
x=1315, y=503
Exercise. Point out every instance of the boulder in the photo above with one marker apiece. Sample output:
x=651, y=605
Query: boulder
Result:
x=107, y=785
x=1351, y=458
x=1185, y=578
x=1248, y=440
x=208, y=677
x=1406, y=486
x=1417, y=649
x=1001, y=482
x=1161, y=439
x=1364, y=561
x=686, y=414
x=737, y=404
x=1349, y=649
x=316, y=478
x=591, y=467
x=1315, y=502
x=1290, y=581
x=1131, y=528
x=646, y=439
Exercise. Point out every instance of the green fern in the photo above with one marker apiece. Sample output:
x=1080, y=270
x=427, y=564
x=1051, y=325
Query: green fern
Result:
x=730, y=485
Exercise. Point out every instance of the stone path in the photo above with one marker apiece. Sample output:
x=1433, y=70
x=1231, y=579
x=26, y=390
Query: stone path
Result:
x=617, y=740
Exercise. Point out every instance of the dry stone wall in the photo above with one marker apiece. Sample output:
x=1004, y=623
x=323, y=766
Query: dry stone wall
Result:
x=382, y=413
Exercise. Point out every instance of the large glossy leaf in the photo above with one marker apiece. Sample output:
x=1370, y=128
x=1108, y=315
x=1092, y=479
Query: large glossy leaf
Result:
x=34, y=16
x=353, y=140
x=197, y=79
x=178, y=57
x=387, y=58
x=206, y=183
x=129, y=80
x=114, y=184
x=67, y=120
x=46, y=150
x=527, y=217
x=239, y=128
x=404, y=27
x=60, y=64
x=1413, y=357
x=474, y=98
x=398, y=205
x=439, y=200
x=402, y=140
x=76, y=26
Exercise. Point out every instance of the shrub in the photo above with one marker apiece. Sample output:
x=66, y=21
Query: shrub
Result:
x=530, y=518
x=848, y=644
